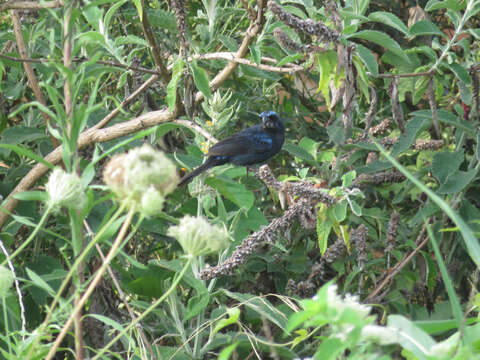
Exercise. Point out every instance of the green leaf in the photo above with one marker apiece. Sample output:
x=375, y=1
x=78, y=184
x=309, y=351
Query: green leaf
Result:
x=457, y=181
x=324, y=227
x=327, y=64
x=348, y=178
x=298, y=151
x=330, y=349
x=356, y=209
x=39, y=282
x=27, y=153
x=21, y=134
x=388, y=19
x=410, y=336
x=425, y=27
x=233, y=191
x=172, y=85
x=368, y=59
x=233, y=316
x=197, y=304
x=290, y=59
x=411, y=130
x=340, y=211
x=383, y=40
x=31, y=196
x=256, y=53
x=309, y=145
x=226, y=352
x=454, y=5
x=200, y=78
x=460, y=72
x=446, y=163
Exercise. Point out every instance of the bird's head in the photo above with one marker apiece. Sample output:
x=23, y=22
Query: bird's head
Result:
x=270, y=120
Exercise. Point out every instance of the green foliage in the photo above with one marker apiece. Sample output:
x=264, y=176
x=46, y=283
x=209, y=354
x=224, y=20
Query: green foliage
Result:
x=413, y=175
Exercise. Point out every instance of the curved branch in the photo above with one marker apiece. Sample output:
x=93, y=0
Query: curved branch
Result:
x=30, y=5
x=252, y=31
x=88, y=137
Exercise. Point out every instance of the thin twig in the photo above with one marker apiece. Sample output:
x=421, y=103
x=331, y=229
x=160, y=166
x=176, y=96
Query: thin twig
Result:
x=123, y=297
x=89, y=136
x=32, y=79
x=433, y=107
x=400, y=265
x=254, y=28
x=196, y=128
x=125, y=102
x=229, y=56
x=154, y=49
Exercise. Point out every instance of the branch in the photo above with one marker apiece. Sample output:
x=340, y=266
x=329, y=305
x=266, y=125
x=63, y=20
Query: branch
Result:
x=30, y=5
x=232, y=57
x=149, y=35
x=32, y=79
x=252, y=31
x=400, y=265
x=125, y=102
x=89, y=136
x=197, y=128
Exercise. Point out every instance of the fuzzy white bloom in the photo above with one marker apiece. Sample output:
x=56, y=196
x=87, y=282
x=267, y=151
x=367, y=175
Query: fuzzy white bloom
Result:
x=198, y=237
x=382, y=335
x=64, y=189
x=142, y=177
x=152, y=202
x=6, y=281
x=349, y=301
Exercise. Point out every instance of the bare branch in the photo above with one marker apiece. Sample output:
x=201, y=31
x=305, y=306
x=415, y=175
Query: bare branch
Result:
x=433, y=107
x=252, y=31
x=157, y=58
x=89, y=136
x=32, y=79
x=30, y=5
x=197, y=128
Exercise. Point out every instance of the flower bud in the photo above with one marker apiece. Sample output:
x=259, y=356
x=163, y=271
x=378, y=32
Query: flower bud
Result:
x=64, y=189
x=198, y=237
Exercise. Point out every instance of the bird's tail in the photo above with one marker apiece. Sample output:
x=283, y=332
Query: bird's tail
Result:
x=211, y=162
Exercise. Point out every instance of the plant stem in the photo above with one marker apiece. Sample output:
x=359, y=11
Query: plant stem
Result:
x=111, y=254
x=175, y=282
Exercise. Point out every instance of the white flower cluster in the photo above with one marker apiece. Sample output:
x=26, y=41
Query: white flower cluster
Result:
x=198, y=237
x=64, y=189
x=142, y=178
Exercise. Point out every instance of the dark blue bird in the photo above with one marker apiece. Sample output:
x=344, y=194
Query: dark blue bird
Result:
x=250, y=146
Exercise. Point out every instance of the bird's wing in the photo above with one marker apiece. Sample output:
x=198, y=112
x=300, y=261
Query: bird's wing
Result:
x=249, y=141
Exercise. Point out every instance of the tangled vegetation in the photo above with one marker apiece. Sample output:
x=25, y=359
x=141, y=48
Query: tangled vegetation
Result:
x=358, y=241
